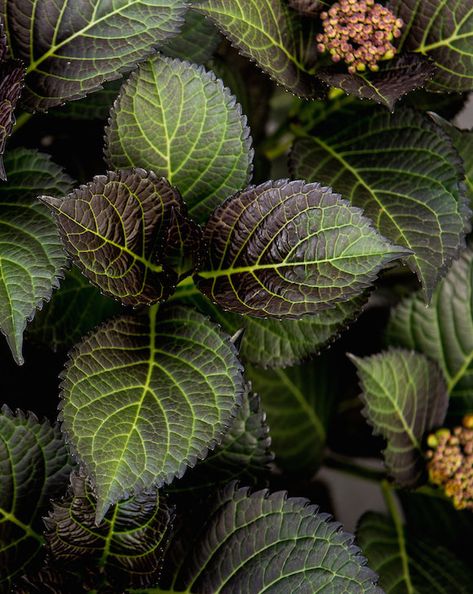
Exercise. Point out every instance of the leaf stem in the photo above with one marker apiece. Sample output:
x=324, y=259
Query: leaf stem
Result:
x=21, y=120
x=344, y=464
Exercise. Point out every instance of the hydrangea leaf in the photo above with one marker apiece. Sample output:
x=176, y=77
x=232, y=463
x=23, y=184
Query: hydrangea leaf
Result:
x=12, y=74
x=444, y=331
x=34, y=467
x=410, y=564
x=114, y=229
x=31, y=253
x=402, y=411
x=126, y=549
x=299, y=402
x=178, y=120
x=182, y=250
x=284, y=249
x=444, y=33
x=71, y=48
x=404, y=172
x=171, y=384
x=243, y=454
x=398, y=78
x=266, y=32
x=263, y=542
x=307, y=8
x=95, y=106
x=75, y=309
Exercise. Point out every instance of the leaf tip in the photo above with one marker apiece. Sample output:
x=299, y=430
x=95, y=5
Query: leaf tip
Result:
x=50, y=201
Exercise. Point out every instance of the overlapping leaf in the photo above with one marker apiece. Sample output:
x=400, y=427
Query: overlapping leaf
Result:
x=31, y=253
x=74, y=310
x=405, y=396
x=95, y=106
x=12, y=74
x=444, y=32
x=283, y=249
x=179, y=121
x=404, y=172
x=444, y=331
x=71, y=48
x=264, y=542
x=34, y=467
x=145, y=397
x=299, y=402
x=410, y=564
x=126, y=549
x=400, y=76
x=114, y=228
x=267, y=33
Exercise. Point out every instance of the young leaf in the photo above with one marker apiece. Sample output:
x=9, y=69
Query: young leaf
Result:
x=182, y=250
x=405, y=396
x=74, y=310
x=404, y=172
x=12, y=74
x=114, y=228
x=243, y=454
x=71, y=48
x=299, y=402
x=284, y=249
x=444, y=331
x=265, y=542
x=170, y=384
x=31, y=253
x=266, y=32
x=400, y=76
x=126, y=549
x=178, y=120
x=34, y=466
x=444, y=33
x=410, y=564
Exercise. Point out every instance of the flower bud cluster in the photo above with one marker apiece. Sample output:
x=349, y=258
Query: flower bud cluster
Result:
x=451, y=462
x=359, y=33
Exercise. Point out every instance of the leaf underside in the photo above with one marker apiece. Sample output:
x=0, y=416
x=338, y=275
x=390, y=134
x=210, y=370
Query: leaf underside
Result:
x=170, y=384
x=178, y=120
x=402, y=411
x=284, y=249
x=12, y=74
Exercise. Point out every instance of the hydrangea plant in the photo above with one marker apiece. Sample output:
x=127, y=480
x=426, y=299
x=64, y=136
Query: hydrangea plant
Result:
x=239, y=231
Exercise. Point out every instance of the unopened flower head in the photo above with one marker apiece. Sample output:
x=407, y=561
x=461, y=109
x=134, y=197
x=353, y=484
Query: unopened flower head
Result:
x=451, y=462
x=360, y=33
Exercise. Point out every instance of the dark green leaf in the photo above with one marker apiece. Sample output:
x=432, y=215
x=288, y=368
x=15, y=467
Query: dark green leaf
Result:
x=74, y=310
x=31, y=253
x=268, y=543
x=126, y=549
x=266, y=32
x=114, y=228
x=71, y=48
x=51, y=579
x=95, y=106
x=443, y=32
x=170, y=384
x=404, y=172
x=284, y=249
x=405, y=396
x=178, y=120
x=410, y=565
x=400, y=76
x=444, y=331
x=34, y=466
x=12, y=74
x=299, y=402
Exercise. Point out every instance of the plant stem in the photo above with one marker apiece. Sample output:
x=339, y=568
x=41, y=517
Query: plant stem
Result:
x=344, y=464
x=21, y=120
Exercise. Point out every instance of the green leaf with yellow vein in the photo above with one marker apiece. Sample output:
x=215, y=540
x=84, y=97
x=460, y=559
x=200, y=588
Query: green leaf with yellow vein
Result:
x=146, y=396
x=31, y=254
x=405, y=396
x=114, y=229
x=284, y=249
x=261, y=542
x=178, y=120
x=443, y=31
x=403, y=170
x=126, y=549
x=75, y=308
x=410, y=564
x=268, y=33
x=34, y=467
x=443, y=331
x=299, y=402
x=71, y=48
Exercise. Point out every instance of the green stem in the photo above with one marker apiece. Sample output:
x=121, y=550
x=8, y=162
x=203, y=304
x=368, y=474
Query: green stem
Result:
x=344, y=464
x=186, y=288
x=21, y=120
